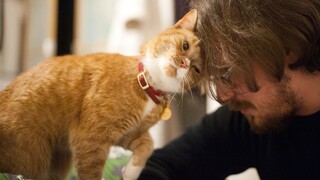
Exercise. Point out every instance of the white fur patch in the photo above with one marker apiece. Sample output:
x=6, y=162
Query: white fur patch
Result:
x=158, y=77
x=148, y=107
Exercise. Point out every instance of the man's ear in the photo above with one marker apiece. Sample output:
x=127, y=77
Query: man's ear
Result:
x=291, y=58
x=188, y=21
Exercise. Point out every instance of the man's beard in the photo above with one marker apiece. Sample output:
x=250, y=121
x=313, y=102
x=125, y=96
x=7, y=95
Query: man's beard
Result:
x=270, y=124
x=275, y=115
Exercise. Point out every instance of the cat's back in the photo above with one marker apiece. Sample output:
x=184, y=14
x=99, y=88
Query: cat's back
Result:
x=63, y=81
x=68, y=72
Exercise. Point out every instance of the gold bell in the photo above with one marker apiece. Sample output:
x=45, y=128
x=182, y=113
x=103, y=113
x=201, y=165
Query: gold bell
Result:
x=166, y=114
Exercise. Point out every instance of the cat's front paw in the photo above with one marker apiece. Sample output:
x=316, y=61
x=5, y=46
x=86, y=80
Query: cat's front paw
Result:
x=131, y=172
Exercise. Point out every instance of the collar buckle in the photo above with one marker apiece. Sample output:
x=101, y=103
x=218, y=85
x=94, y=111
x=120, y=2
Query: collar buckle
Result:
x=142, y=80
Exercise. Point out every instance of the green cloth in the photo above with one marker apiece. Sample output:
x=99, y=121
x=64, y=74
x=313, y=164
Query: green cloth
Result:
x=112, y=170
x=3, y=176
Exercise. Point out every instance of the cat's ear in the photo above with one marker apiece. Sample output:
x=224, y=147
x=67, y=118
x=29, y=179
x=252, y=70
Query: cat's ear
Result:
x=188, y=21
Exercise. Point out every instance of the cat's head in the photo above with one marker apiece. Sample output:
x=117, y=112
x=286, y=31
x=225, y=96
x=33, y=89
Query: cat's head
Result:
x=173, y=57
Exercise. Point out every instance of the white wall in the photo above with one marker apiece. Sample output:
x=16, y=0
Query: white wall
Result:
x=136, y=22
x=12, y=35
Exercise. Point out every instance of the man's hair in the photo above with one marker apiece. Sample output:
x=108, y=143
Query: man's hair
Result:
x=241, y=33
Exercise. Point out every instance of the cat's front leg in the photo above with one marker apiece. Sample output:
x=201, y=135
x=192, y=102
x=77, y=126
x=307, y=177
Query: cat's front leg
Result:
x=142, y=148
x=90, y=154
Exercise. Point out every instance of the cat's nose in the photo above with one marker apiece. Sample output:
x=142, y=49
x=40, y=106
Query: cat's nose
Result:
x=184, y=64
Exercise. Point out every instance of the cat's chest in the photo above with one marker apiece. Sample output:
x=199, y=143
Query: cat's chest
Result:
x=148, y=107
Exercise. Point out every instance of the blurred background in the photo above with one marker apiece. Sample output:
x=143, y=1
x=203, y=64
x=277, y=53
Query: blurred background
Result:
x=33, y=30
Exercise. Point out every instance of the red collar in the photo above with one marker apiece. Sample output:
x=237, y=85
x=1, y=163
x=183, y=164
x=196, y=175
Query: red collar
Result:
x=144, y=84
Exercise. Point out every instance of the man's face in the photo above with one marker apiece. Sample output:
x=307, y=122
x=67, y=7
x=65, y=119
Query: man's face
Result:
x=270, y=108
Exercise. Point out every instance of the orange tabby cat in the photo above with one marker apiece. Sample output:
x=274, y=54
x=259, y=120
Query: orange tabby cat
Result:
x=73, y=108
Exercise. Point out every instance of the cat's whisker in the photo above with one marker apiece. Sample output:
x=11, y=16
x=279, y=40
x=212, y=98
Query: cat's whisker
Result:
x=172, y=97
x=183, y=86
x=186, y=80
x=181, y=91
x=191, y=91
x=185, y=83
x=180, y=101
x=189, y=86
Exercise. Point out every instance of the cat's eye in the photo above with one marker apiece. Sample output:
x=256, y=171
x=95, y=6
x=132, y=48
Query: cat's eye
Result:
x=185, y=45
x=196, y=69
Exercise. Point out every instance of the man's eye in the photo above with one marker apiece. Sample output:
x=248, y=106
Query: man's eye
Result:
x=185, y=45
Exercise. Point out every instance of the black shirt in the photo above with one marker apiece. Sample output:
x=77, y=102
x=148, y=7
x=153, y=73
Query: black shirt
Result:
x=223, y=144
